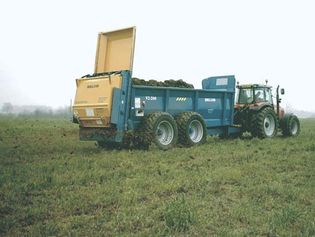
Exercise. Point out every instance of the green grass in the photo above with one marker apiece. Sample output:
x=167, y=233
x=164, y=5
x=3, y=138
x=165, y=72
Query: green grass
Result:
x=51, y=184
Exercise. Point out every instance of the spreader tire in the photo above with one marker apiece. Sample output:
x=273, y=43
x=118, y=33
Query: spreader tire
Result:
x=192, y=129
x=160, y=128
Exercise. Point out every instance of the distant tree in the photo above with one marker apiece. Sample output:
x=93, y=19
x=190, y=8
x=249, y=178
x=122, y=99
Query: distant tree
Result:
x=38, y=112
x=62, y=111
x=7, y=108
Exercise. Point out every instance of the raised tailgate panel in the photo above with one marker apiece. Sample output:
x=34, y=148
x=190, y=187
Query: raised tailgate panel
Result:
x=115, y=50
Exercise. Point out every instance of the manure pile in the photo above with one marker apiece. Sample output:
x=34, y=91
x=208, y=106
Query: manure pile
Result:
x=167, y=83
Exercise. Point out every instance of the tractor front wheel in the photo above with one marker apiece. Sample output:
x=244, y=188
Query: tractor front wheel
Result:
x=264, y=124
x=290, y=125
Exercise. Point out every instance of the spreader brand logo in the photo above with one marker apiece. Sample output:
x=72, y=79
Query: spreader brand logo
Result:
x=93, y=86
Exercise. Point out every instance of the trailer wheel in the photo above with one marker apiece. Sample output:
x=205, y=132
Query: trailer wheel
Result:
x=290, y=125
x=191, y=128
x=160, y=128
x=264, y=124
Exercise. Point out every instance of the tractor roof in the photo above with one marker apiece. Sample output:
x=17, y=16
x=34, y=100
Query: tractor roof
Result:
x=248, y=86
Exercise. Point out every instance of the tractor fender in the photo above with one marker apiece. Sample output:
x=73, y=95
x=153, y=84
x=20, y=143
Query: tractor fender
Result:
x=257, y=107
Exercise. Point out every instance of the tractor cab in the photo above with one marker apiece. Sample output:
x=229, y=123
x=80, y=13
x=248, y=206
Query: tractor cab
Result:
x=254, y=95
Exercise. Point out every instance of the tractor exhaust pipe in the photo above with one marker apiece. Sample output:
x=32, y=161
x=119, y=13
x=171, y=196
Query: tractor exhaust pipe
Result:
x=278, y=102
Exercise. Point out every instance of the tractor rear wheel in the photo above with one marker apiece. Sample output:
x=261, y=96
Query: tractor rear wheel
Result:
x=264, y=124
x=191, y=128
x=290, y=125
x=159, y=128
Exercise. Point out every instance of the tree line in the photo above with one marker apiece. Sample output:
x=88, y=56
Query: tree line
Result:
x=35, y=110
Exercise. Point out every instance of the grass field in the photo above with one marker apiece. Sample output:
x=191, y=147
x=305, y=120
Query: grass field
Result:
x=51, y=184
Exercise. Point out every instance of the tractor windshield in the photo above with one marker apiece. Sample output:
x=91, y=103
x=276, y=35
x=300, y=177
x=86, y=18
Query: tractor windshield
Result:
x=263, y=94
x=245, y=96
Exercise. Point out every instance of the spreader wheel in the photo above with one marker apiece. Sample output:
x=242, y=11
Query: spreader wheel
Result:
x=191, y=128
x=159, y=128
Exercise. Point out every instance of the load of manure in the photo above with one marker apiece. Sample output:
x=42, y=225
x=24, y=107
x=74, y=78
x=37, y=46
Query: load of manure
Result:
x=167, y=83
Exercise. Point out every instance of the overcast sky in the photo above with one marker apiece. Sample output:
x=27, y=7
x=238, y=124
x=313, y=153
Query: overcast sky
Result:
x=46, y=45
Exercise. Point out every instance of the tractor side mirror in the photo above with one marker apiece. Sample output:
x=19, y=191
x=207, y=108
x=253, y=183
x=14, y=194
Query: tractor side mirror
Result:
x=282, y=91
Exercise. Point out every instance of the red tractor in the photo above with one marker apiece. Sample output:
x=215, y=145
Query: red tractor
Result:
x=256, y=113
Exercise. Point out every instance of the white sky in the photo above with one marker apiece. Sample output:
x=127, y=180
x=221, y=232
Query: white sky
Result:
x=45, y=45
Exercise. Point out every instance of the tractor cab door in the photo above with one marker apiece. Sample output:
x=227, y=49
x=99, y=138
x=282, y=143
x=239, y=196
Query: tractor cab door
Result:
x=245, y=96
